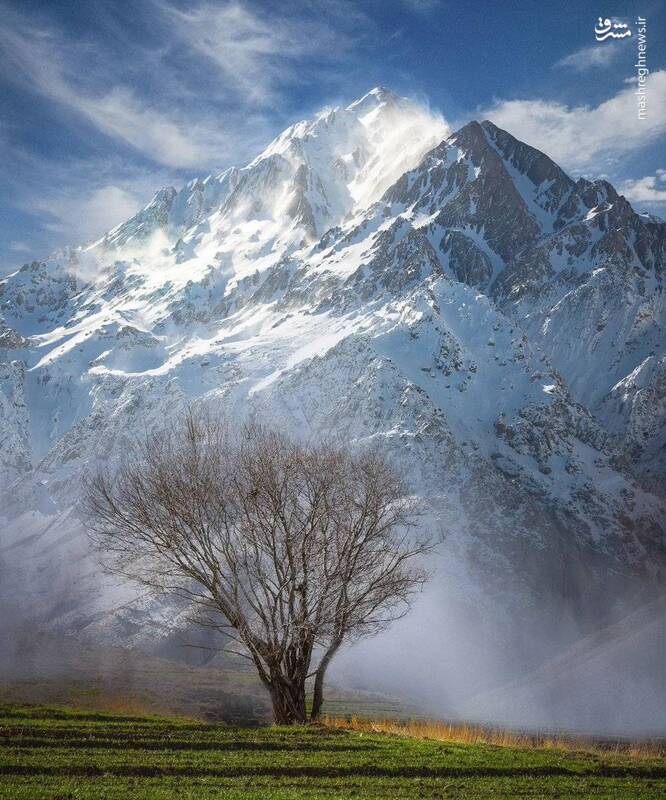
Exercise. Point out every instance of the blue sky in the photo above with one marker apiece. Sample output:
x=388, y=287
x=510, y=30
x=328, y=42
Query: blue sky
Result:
x=104, y=102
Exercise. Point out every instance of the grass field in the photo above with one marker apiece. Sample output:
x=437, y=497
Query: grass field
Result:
x=59, y=754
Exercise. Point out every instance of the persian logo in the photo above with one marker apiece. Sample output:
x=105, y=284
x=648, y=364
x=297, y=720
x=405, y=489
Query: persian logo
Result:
x=609, y=29
x=605, y=29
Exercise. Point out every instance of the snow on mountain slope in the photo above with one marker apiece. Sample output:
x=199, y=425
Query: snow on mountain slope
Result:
x=348, y=283
x=307, y=180
x=571, y=262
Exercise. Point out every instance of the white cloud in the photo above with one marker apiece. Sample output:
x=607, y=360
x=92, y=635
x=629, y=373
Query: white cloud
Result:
x=88, y=215
x=581, y=137
x=595, y=56
x=48, y=64
x=256, y=53
x=78, y=200
x=161, y=136
x=257, y=56
x=650, y=189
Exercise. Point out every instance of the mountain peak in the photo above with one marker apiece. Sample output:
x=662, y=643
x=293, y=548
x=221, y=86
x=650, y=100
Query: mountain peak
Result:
x=164, y=195
x=471, y=136
x=490, y=126
x=380, y=95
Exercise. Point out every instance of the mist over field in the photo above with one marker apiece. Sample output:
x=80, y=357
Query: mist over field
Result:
x=459, y=654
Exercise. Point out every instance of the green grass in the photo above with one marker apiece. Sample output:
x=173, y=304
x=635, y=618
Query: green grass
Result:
x=58, y=754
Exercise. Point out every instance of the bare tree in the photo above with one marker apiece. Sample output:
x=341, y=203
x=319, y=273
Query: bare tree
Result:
x=289, y=548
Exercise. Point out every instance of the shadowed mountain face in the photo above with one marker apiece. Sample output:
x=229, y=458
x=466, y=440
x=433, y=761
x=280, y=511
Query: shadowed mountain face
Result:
x=495, y=326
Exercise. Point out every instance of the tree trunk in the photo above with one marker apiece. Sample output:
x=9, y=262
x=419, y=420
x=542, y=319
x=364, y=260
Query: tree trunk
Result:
x=318, y=693
x=288, y=702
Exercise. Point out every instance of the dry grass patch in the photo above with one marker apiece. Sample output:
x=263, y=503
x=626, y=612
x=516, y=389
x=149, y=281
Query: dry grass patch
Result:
x=467, y=733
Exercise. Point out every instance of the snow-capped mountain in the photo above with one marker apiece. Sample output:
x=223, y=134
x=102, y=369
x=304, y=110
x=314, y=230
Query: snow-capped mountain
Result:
x=456, y=298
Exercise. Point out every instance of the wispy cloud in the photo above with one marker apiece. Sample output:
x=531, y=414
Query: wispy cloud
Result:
x=597, y=56
x=51, y=64
x=256, y=57
x=586, y=137
x=85, y=216
x=258, y=53
x=650, y=189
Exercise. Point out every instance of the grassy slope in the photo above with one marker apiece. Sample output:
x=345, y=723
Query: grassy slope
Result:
x=69, y=672
x=65, y=754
